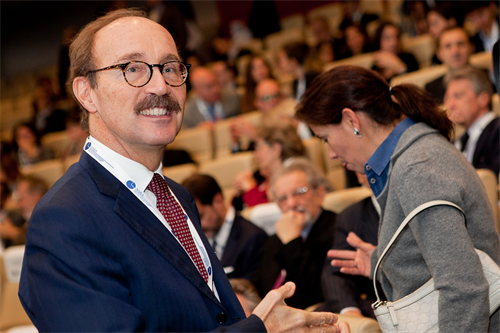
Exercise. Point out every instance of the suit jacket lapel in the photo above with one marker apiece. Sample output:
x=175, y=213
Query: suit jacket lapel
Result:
x=145, y=223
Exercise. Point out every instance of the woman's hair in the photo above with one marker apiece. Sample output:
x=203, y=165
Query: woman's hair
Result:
x=450, y=10
x=378, y=33
x=31, y=127
x=361, y=89
x=250, y=84
x=284, y=134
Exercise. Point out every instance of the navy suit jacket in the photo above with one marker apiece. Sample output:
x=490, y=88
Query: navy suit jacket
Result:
x=244, y=248
x=98, y=260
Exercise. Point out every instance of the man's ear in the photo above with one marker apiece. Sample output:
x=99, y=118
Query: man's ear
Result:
x=483, y=99
x=83, y=92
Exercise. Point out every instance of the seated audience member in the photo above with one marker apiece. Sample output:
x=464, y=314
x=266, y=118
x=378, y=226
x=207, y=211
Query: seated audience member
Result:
x=247, y=294
x=348, y=294
x=47, y=117
x=225, y=75
x=326, y=44
x=389, y=60
x=267, y=98
x=28, y=192
x=446, y=14
x=413, y=20
x=454, y=50
x=468, y=103
x=484, y=16
x=353, y=14
x=11, y=221
x=27, y=146
x=277, y=144
x=355, y=41
x=76, y=134
x=9, y=167
x=304, y=233
x=257, y=70
x=238, y=243
x=292, y=60
x=209, y=102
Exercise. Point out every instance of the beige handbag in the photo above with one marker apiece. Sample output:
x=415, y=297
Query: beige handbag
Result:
x=418, y=311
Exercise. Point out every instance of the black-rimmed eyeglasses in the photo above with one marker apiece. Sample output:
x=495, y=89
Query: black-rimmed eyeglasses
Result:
x=139, y=73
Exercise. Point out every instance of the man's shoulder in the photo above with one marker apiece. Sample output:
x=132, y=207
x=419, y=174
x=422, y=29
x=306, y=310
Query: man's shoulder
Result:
x=435, y=83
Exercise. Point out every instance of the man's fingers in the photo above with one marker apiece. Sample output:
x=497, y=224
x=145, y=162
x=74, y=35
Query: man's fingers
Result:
x=273, y=298
x=320, y=318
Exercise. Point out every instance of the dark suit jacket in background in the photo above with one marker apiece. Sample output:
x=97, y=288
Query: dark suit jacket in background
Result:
x=98, y=260
x=342, y=290
x=310, y=76
x=303, y=261
x=487, y=152
x=244, y=248
x=230, y=107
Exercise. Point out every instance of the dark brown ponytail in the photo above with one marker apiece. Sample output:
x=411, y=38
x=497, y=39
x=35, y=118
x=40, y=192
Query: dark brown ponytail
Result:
x=361, y=89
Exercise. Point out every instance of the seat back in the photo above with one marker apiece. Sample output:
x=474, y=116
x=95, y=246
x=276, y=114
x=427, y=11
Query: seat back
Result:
x=420, y=77
x=490, y=184
x=364, y=60
x=314, y=151
x=179, y=173
x=422, y=47
x=50, y=171
x=264, y=216
x=198, y=142
x=483, y=60
x=57, y=141
x=339, y=200
x=225, y=169
x=278, y=39
x=11, y=311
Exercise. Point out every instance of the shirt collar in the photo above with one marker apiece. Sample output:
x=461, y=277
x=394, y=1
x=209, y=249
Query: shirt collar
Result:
x=139, y=173
x=382, y=156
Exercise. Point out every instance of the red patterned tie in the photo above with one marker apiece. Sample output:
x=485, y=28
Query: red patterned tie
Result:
x=171, y=210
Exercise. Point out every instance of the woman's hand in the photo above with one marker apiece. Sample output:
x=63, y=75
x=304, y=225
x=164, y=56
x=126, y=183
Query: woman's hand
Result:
x=353, y=262
x=390, y=63
x=244, y=182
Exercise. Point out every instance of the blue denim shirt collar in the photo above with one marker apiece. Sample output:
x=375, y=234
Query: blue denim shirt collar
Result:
x=377, y=166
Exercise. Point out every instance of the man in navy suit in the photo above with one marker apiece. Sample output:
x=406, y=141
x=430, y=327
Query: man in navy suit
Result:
x=468, y=103
x=238, y=243
x=100, y=252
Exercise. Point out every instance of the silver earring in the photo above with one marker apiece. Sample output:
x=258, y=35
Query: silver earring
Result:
x=357, y=132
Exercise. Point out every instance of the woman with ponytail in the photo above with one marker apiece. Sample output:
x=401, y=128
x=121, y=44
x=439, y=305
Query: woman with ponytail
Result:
x=399, y=138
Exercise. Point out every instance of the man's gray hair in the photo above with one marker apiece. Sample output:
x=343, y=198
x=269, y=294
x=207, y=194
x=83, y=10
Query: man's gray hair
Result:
x=315, y=177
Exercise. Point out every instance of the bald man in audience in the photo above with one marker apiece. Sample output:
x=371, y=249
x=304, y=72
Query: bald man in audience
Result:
x=208, y=102
x=453, y=50
x=468, y=103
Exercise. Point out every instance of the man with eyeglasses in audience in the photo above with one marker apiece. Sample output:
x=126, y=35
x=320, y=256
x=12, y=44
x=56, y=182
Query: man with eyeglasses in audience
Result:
x=304, y=234
x=114, y=245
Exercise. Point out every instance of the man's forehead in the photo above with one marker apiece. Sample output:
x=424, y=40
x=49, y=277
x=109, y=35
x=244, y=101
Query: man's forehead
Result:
x=133, y=37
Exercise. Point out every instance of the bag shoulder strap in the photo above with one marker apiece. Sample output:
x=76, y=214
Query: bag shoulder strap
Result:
x=407, y=220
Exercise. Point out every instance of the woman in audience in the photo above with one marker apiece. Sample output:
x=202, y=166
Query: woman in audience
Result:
x=446, y=14
x=399, y=138
x=27, y=145
x=257, y=70
x=389, y=60
x=277, y=144
x=356, y=41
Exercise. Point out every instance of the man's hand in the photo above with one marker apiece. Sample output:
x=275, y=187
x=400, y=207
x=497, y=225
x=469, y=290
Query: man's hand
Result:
x=278, y=317
x=289, y=226
x=353, y=262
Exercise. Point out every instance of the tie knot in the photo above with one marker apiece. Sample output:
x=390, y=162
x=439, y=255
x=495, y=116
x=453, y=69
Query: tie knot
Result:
x=158, y=186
